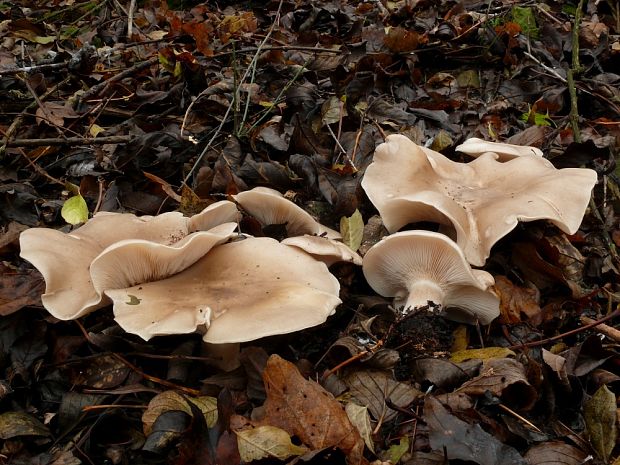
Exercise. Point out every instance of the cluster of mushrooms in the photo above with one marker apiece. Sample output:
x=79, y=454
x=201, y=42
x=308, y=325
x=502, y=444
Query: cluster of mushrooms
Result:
x=171, y=274
x=475, y=203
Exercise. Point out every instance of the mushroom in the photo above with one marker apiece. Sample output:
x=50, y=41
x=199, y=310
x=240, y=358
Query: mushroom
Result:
x=475, y=147
x=239, y=291
x=482, y=200
x=64, y=260
x=269, y=207
x=420, y=268
x=329, y=251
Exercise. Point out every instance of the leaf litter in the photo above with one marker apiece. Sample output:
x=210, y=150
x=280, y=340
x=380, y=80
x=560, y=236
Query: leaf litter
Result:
x=149, y=107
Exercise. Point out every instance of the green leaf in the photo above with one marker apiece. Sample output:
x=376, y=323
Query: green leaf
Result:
x=600, y=416
x=396, y=451
x=266, y=441
x=540, y=119
x=75, y=210
x=352, y=230
x=524, y=17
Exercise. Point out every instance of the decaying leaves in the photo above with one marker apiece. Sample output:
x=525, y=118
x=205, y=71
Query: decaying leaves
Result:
x=304, y=409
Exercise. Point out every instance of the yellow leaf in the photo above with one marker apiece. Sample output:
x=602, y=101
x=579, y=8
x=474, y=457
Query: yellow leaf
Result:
x=171, y=400
x=360, y=418
x=600, y=416
x=266, y=441
x=95, y=129
x=352, y=230
x=483, y=354
x=75, y=210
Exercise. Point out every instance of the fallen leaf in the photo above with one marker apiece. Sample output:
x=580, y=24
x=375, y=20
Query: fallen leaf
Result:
x=304, y=409
x=462, y=441
x=515, y=300
x=361, y=420
x=600, y=417
x=373, y=387
x=172, y=400
x=266, y=442
x=14, y=424
x=352, y=230
x=482, y=354
x=555, y=453
x=496, y=375
x=396, y=451
x=75, y=210
x=19, y=289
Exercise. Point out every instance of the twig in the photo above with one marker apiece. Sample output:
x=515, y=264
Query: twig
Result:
x=31, y=69
x=68, y=140
x=610, y=332
x=130, y=10
x=575, y=70
x=279, y=47
x=95, y=90
x=542, y=342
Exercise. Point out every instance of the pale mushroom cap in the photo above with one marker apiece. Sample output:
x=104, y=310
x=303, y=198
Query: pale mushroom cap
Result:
x=269, y=206
x=420, y=266
x=329, y=251
x=64, y=259
x=482, y=200
x=475, y=147
x=215, y=214
x=241, y=291
x=133, y=261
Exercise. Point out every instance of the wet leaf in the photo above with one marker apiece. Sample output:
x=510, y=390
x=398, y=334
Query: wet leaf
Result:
x=75, y=210
x=463, y=441
x=352, y=230
x=19, y=289
x=172, y=400
x=266, y=442
x=14, y=424
x=600, y=417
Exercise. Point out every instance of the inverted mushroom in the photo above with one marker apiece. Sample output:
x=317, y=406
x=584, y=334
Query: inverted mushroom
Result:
x=421, y=268
x=270, y=207
x=64, y=260
x=240, y=291
x=482, y=200
x=475, y=147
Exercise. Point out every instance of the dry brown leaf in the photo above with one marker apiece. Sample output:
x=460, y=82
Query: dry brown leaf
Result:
x=304, y=409
x=496, y=375
x=555, y=452
x=515, y=300
x=19, y=289
x=373, y=387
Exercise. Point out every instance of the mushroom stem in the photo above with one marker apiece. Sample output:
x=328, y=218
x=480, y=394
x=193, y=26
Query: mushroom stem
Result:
x=421, y=292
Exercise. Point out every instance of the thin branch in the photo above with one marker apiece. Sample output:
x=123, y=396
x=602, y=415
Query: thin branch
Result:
x=68, y=140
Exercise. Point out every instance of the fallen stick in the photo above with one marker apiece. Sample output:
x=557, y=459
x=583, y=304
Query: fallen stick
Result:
x=69, y=141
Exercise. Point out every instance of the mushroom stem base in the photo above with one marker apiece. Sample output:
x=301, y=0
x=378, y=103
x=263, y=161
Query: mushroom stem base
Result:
x=421, y=294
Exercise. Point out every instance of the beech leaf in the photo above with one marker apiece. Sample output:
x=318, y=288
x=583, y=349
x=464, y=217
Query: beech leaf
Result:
x=352, y=230
x=600, y=416
x=266, y=442
x=75, y=210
